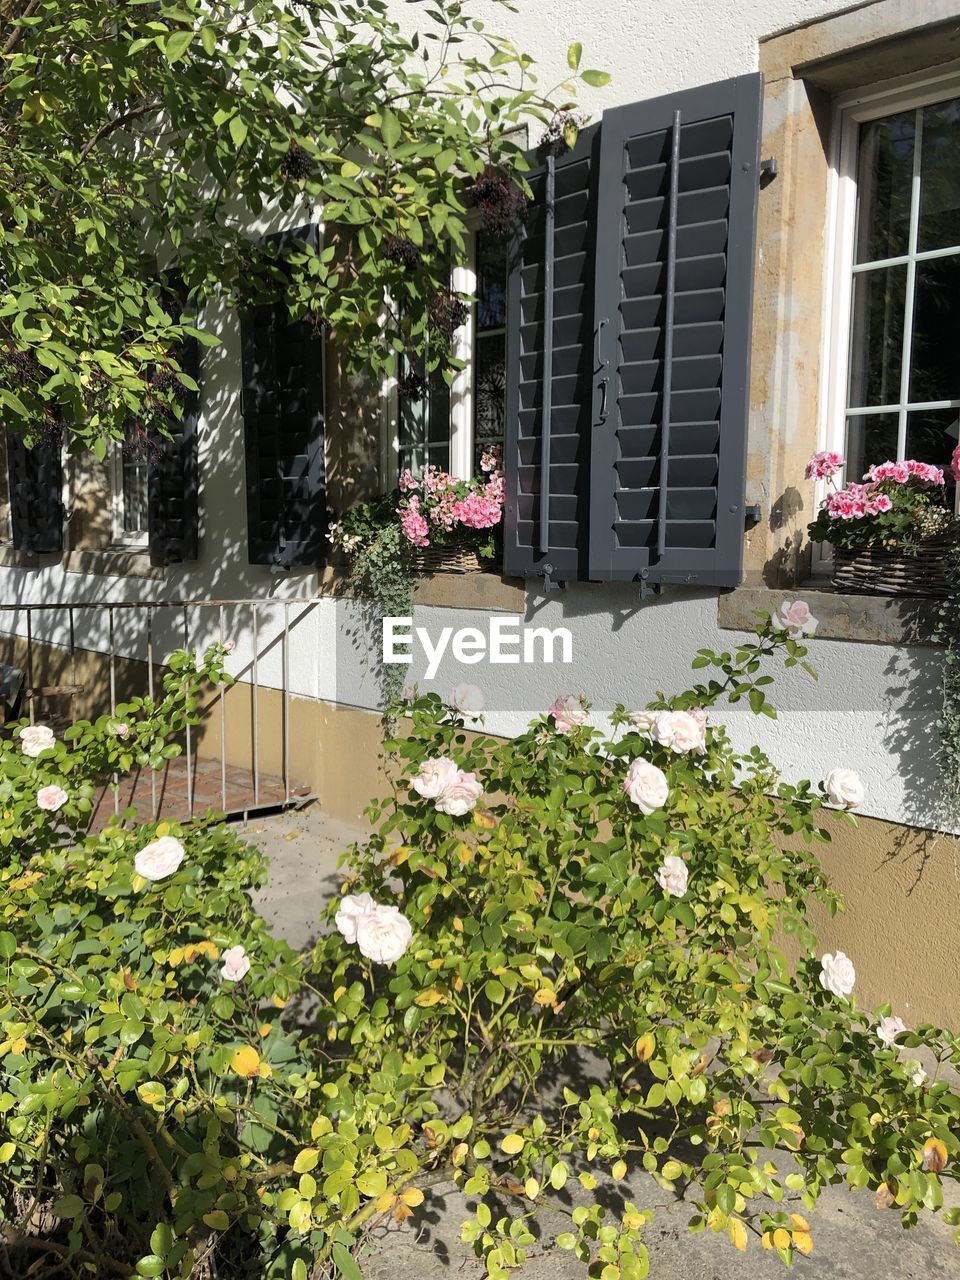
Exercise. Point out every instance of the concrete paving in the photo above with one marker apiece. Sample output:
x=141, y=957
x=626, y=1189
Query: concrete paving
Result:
x=852, y=1239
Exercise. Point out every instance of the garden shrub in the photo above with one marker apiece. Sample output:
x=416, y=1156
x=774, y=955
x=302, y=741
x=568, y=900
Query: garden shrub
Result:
x=184, y=1096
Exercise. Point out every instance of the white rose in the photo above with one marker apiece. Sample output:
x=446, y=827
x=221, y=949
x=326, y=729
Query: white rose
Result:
x=434, y=777
x=120, y=729
x=160, y=859
x=383, y=934
x=888, y=1029
x=646, y=785
x=236, y=964
x=51, y=798
x=679, y=731
x=917, y=1073
x=673, y=876
x=568, y=711
x=837, y=974
x=460, y=795
x=642, y=721
x=844, y=788
x=795, y=618
x=349, y=913
x=35, y=738
x=468, y=700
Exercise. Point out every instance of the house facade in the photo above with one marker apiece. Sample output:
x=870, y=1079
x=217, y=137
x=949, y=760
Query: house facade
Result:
x=752, y=253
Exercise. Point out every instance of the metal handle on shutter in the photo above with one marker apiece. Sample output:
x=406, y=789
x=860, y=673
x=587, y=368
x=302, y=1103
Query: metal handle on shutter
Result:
x=671, y=286
x=600, y=363
x=547, y=384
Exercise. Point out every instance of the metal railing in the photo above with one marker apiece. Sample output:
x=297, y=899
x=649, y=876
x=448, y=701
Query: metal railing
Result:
x=70, y=633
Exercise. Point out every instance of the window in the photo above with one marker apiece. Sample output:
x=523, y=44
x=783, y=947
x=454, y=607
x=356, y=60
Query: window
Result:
x=130, y=495
x=898, y=277
x=450, y=427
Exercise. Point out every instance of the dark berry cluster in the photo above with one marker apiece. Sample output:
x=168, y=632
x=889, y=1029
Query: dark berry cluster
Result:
x=412, y=385
x=501, y=204
x=141, y=442
x=447, y=313
x=296, y=163
x=403, y=251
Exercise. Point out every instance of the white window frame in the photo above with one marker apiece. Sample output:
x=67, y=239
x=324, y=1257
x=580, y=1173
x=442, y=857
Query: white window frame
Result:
x=463, y=281
x=850, y=111
x=122, y=537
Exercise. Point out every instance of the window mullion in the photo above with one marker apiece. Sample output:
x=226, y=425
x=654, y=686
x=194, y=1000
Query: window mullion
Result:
x=910, y=286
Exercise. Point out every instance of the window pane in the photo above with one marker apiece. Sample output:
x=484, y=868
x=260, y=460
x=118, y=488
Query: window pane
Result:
x=932, y=435
x=934, y=367
x=871, y=439
x=425, y=426
x=883, y=186
x=134, y=494
x=940, y=177
x=491, y=284
x=877, y=339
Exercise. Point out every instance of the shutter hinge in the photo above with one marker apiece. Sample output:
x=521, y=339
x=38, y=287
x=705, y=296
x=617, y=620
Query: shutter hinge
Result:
x=768, y=170
x=751, y=515
x=647, y=588
x=550, y=583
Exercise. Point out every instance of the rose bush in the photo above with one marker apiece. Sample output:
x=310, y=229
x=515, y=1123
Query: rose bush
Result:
x=183, y=1096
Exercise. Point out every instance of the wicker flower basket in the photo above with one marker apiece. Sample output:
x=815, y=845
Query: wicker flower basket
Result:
x=877, y=571
x=447, y=560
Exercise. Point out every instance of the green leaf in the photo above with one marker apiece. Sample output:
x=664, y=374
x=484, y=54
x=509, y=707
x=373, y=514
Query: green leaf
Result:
x=390, y=129
x=8, y=945
x=238, y=131
x=574, y=54
x=345, y=1263
x=176, y=45
x=596, y=79
x=68, y=1206
x=151, y=1265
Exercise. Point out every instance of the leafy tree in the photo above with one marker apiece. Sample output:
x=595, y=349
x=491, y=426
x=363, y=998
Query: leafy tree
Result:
x=136, y=134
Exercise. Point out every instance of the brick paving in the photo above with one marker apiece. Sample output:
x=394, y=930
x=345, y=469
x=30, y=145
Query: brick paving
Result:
x=233, y=792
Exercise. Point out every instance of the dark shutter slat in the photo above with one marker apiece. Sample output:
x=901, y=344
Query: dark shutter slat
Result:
x=283, y=415
x=173, y=479
x=677, y=204
x=36, y=493
x=551, y=540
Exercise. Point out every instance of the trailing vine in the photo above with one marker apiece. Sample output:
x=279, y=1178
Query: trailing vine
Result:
x=947, y=633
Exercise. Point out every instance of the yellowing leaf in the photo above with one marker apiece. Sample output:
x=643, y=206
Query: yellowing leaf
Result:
x=400, y=855
x=306, y=1160
x=531, y=1188
x=619, y=1170
x=800, y=1222
x=767, y=1239
x=645, y=1047
x=934, y=1155
x=216, y=1220
x=738, y=1234
x=781, y=1239
x=432, y=996
x=7, y=1151
x=151, y=1091
x=545, y=996
x=385, y=1202
x=18, y=1045
x=484, y=820
x=264, y=1029
x=464, y=853
x=412, y=1196
x=803, y=1241
x=163, y=829
x=512, y=1144
x=245, y=1061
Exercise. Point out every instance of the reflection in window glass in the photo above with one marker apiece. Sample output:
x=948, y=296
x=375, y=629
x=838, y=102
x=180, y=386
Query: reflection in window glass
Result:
x=424, y=408
x=133, y=493
x=905, y=325
x=490, y=347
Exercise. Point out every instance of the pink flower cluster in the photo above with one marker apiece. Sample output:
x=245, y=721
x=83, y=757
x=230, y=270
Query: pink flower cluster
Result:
x=856, y=501
x=824, y=466
x=415, y=528
x=902, y=472
x=437, y=500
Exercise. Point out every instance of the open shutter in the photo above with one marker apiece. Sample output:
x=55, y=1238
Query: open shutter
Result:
x=284, y=433
x=674, y=283
x=550, y=369
x=173, y=516
x=36, y=493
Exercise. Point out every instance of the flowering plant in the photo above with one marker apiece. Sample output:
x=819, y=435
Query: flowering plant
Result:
x=181, y=1095
x=898, y=505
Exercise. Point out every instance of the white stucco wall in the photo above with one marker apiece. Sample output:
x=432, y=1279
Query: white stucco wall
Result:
x=873, y=706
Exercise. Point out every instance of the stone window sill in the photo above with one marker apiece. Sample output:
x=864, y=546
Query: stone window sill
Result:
x=113, y=562
x=476, y=591
x=890, y=620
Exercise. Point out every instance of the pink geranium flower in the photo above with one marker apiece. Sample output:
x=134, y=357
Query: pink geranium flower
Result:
x=824, y=466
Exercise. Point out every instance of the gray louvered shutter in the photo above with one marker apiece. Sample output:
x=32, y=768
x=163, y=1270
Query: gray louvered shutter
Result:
x=173, y=517
x=550, y=369
x=35, y=478
x=284, y=432
x=675, y=258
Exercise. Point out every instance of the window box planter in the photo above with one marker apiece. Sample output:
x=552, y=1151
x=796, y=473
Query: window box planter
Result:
x=447, y=560
x=877, y=571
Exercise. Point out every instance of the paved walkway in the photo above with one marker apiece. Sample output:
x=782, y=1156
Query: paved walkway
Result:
x=852, y=1239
